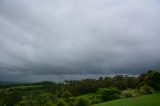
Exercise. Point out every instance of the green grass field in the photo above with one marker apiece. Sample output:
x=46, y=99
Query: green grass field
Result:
x=146, y=100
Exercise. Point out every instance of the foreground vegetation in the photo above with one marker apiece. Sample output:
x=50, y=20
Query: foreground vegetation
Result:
x=82, y=92
x=146, y=100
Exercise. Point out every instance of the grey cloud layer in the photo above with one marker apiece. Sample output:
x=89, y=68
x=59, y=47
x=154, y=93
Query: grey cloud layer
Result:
x=85, y=37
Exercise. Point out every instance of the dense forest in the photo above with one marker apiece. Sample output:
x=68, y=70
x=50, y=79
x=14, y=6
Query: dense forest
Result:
x=83, y=92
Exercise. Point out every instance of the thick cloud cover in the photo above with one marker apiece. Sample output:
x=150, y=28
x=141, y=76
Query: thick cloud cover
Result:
x=72, y=39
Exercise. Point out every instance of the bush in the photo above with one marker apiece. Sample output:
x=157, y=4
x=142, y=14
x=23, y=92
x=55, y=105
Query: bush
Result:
x=126, y=94
x=146, y=90
x=82, y=102
x=153, y=79
x=96, y=101
x=129, y=93
x=67, y=94
x=61, y=102
x=108, y=93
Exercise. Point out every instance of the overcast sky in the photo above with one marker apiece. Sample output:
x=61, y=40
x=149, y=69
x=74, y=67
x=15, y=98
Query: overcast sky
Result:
x=72, y=39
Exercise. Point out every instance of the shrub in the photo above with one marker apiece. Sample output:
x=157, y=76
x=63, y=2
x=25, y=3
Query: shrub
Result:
x=129, y=93
x=70, y=100
x=153, y=79
x=126, y=93
x=96, y=101
x=146, y=90
x=67, y=94
x=49, y=104
x=44, y=99
x=61, y=102
x=108, y=93
x=82, y=102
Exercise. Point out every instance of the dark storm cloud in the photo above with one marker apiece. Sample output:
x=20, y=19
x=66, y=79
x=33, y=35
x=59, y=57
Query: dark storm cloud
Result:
x=57, y=40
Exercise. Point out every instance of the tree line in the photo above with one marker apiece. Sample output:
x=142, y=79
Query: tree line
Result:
x=105, y=88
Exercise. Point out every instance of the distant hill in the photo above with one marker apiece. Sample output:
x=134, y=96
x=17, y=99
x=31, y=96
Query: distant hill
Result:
x=8, y=82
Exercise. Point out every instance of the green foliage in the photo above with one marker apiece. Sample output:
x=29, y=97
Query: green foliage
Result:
x=67, y=94
x=146, y=90
x=12, y=98
x=108, y=93
x=82, y=102
x=39, y=100
x=95, y=101
x=48, y=93
x=61, y=102
x=124, y=81
x=129, y=93
x=153, y=79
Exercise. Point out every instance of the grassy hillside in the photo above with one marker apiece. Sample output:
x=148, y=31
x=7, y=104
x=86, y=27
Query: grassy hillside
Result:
x=146, y=100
